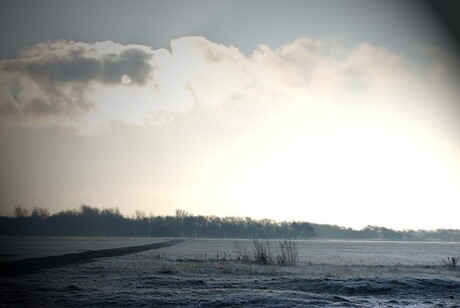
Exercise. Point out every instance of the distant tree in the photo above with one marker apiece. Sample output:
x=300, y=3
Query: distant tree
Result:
x=111, y=212
x=181, y=214
x=20, y=212
x=139, y=215
x=86, y=210
x=40, y=212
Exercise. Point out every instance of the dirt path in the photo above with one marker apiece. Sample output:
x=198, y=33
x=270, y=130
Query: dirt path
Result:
x=26, y=266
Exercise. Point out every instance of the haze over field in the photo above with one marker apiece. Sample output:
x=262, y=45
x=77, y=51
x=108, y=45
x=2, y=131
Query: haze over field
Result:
x=337, y=112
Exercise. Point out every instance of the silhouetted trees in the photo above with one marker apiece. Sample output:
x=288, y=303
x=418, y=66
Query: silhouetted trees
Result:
x=91, y=221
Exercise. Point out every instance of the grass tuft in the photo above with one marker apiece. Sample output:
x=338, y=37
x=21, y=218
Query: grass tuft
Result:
x=450, y=262
x=262, y=253
x=288, y=253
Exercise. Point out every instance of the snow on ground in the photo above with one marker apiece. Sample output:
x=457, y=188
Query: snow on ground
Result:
x=195, y=273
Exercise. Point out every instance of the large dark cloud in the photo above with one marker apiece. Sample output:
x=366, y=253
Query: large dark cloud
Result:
x=54, y=79
x=79, y=68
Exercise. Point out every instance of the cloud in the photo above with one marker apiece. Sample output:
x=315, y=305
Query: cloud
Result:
x=305, y=72
x=64, y=81
x=54, y=79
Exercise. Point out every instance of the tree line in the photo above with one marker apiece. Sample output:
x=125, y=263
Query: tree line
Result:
x=382, y=233
x=91, y=221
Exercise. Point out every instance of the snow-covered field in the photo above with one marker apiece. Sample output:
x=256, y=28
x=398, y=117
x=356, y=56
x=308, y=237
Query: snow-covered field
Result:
x=199, y=272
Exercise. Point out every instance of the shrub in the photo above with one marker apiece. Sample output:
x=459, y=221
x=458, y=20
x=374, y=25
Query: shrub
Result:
x=262, y=253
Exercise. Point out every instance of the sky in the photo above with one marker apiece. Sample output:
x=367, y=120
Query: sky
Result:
x=335, y=112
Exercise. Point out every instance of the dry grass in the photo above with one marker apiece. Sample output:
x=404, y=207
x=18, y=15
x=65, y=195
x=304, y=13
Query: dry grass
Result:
x=450, y=262
x=288, y=253
x=262, y=253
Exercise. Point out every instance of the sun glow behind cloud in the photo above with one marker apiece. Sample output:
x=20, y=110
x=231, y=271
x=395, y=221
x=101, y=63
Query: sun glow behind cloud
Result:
x=312, y=130
x=369, y=177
